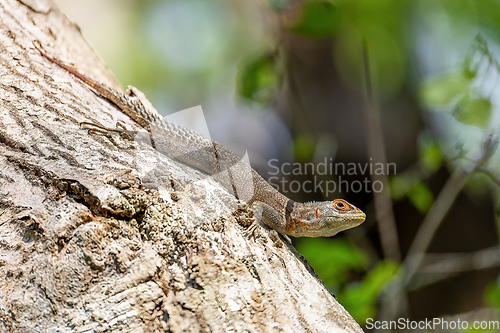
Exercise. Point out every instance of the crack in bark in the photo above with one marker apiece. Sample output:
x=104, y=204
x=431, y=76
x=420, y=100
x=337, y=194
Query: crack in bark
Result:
x=13, y=144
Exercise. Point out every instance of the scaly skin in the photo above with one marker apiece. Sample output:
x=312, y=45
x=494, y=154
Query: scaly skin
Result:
x=319, y=219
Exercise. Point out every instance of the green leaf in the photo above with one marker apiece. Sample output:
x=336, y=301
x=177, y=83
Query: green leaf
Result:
x=421, y=197
x=304, y=148
x=492, y=295
x=332, y=259
x=319, y=19
x=400, y=185
x=359, y=299
x=430, y=154
x=444, y=89
x=258, y=80
x=473, y=111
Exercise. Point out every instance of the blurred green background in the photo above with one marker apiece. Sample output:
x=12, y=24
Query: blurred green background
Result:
x=409, y=82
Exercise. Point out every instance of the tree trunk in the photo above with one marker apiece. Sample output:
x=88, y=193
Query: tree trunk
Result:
x=99, y=233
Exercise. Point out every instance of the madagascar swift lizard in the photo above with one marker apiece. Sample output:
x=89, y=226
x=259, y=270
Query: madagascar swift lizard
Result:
x=312, y=219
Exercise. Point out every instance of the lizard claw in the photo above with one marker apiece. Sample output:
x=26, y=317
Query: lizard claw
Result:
x=96, y=128
x=251, y=232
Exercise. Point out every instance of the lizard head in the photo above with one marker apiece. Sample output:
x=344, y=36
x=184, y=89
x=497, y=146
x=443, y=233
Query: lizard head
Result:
x=325, y=219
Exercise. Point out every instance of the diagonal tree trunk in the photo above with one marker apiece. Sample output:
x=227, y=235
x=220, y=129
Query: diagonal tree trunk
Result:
x=98, y=233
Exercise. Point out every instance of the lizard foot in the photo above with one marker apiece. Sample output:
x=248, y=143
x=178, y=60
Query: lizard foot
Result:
x=251, y=232
x=120, y=129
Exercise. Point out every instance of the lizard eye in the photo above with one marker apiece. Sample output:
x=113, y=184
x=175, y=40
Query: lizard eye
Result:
x=317, y=212
x=340, y=204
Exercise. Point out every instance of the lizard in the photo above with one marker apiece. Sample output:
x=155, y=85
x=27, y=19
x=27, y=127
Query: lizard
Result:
x=275, y=210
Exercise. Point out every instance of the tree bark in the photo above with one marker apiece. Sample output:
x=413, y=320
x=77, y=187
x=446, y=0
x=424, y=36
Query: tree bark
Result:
x=98, y=233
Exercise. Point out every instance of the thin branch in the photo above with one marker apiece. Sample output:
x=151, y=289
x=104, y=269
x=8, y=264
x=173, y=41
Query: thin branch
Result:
x=444, y=266
x=394, y=299
x=376, y=148
x=440, y=208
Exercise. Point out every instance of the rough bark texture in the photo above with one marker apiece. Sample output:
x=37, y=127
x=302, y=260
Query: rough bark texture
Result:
x=101, y=234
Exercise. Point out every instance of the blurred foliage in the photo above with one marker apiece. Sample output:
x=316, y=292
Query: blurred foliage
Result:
x=379, y=24
x=410, y=184
x=318, y=19
x=460, y=90
x=421, y=197
x=430, y=157
x=360, y=298
x=473, y=111
x=464, y=94
x=322, y=253
x=335, y=261
x=304, y=147
x=444, y=89
x=477, y=330
x=257, y=80
x=492, y=295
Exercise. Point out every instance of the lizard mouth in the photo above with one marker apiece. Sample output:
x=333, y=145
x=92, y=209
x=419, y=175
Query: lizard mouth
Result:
x=348, y=220
x=362, y=216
